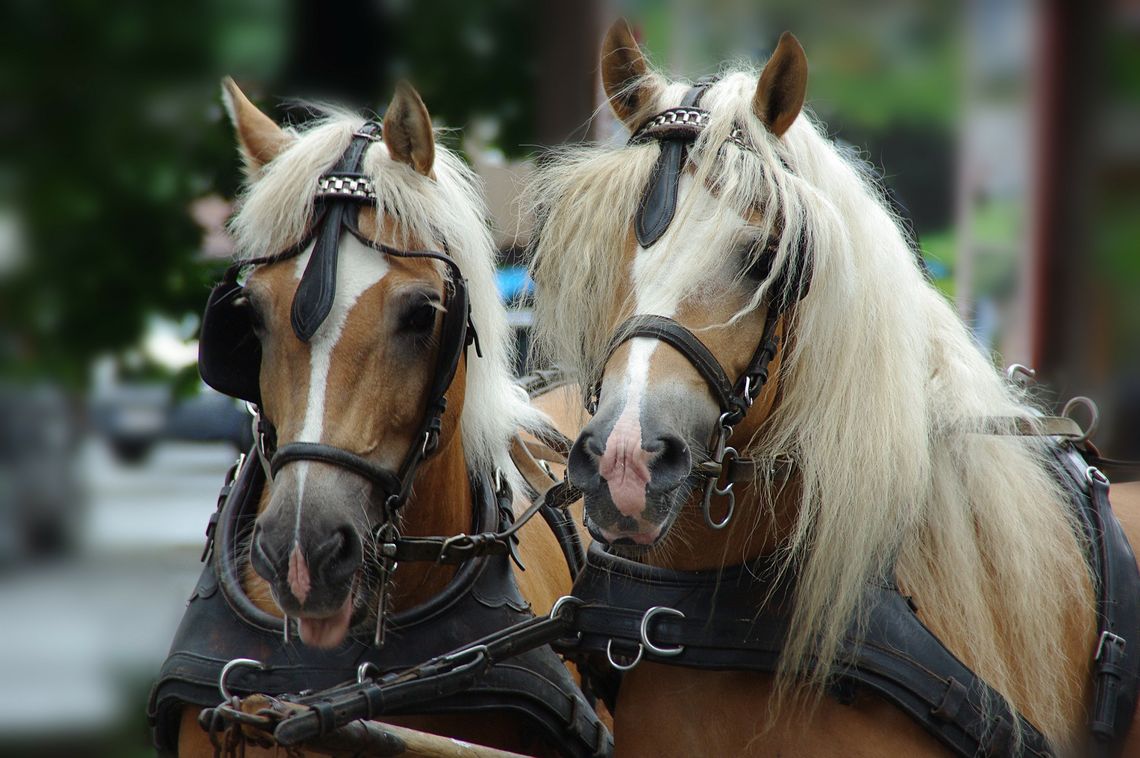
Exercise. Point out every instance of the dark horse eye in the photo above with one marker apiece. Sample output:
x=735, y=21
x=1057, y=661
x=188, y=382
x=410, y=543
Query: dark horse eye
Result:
x=758, y=257
x=420, y=317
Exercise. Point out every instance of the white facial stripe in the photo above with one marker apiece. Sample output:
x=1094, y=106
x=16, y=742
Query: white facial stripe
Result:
x=359, y=268
x=663, y=274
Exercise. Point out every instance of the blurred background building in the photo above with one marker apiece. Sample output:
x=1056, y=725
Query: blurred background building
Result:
x=1009, y=128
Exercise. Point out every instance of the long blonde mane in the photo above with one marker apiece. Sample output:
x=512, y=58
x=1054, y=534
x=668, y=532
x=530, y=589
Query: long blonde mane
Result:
x=880, y=382
x=277, y=210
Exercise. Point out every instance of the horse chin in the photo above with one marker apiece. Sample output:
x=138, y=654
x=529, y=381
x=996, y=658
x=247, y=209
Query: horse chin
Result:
x=329, y=631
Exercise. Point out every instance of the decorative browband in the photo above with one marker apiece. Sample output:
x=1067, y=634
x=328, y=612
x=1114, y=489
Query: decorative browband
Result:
x=352, y=186
x=682, y=123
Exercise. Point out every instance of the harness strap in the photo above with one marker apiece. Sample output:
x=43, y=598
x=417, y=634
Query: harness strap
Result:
x=1116, y=659
x=659, y=203
x=317, y=289
x=710, y=620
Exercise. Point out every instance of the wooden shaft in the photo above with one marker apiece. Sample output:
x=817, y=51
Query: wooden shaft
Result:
x=372, y=738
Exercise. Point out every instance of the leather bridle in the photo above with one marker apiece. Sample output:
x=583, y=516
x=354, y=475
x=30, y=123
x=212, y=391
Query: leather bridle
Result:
x=229, y=360
x=675, y=129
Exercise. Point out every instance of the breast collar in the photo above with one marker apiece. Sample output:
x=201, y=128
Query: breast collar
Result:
x=222, y=623
x=715, y=620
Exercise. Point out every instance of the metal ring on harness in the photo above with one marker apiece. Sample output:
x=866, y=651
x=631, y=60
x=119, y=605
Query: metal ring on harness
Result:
x=225, y=672
x=656, y=610
x=624, y=666
x=1019, y=374
x=363, y=669
x=563, y=601
x=725, y=457
x=1094, y=414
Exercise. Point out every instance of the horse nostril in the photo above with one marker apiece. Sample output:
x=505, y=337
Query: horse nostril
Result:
x=339, y=555
x=582, y=465
x=263, y=556
x=671, y=461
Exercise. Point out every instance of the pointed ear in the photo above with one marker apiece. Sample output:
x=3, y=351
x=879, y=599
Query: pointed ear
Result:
x=259, y=138
x=629, y=84
x=782, y=86
x=407, y=130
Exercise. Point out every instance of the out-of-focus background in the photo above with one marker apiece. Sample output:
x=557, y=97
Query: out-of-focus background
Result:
x=1009, y=128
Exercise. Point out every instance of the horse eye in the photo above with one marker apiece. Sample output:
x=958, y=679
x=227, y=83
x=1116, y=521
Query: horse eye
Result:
x=420, y=317
x=758, y=256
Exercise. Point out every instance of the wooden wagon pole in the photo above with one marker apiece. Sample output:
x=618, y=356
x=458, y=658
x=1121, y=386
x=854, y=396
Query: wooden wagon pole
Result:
x=373, y=738
x=359, y=739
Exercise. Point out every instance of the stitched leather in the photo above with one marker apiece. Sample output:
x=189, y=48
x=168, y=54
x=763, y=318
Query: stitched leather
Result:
x=659, y=202
x=482, y=598
x=317, y=288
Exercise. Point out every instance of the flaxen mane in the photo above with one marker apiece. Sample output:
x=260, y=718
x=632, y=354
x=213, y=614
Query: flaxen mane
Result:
x=277, y=210
x=880, y=384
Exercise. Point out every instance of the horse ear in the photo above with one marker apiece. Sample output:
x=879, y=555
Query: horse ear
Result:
x=259, y=138
x=407, y=130
x=630, y=86
x=782, y=86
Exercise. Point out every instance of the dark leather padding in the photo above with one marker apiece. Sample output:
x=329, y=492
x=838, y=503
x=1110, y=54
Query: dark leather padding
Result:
x=659, y=203
x=229, y=353
x=221, y=623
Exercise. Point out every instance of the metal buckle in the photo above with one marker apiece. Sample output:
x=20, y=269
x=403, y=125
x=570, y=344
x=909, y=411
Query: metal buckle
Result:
x=1107, y=636
x=666, y=652
x=1093, y=475
x=624, y=666
x=236, y=663
x=722, y=455
x=561, y=602
x=1094, y=417
x=448, y=542
x=363, y=669
x=1019, y=374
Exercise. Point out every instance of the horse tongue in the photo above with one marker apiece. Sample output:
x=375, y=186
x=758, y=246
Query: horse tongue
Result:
x=327, y=632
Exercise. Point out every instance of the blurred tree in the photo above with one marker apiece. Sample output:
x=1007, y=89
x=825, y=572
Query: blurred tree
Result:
x=111, y=127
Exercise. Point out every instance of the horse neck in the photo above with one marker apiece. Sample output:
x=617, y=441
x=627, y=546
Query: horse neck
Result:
x=759, y=525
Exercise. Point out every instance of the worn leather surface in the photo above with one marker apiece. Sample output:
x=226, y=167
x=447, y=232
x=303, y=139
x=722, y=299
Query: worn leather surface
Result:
x=659, y=203
x=725, y=627
x=221, y=623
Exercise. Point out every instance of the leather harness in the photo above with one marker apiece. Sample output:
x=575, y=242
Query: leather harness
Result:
x=714, y=620
x=222, y=624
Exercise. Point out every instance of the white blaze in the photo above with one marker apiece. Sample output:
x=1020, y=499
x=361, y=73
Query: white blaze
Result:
x=359, y=267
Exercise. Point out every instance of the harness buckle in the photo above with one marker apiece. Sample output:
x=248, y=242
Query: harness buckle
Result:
x=236, y=663
x=1110, y=638
x=666, y=652
x=623, y=666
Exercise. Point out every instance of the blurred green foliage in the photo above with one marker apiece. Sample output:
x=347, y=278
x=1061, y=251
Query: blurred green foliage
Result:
x=110, y=130
x=111, y=127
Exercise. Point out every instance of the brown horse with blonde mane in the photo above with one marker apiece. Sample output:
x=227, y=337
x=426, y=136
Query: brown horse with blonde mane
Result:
x=358, y=382
x=871, y=439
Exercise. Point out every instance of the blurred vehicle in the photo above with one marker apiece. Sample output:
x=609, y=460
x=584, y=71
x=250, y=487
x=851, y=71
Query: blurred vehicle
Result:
x=42, y=506
x=131, y=417
x=211, y=417
x=134, y=417
x=517, y=291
